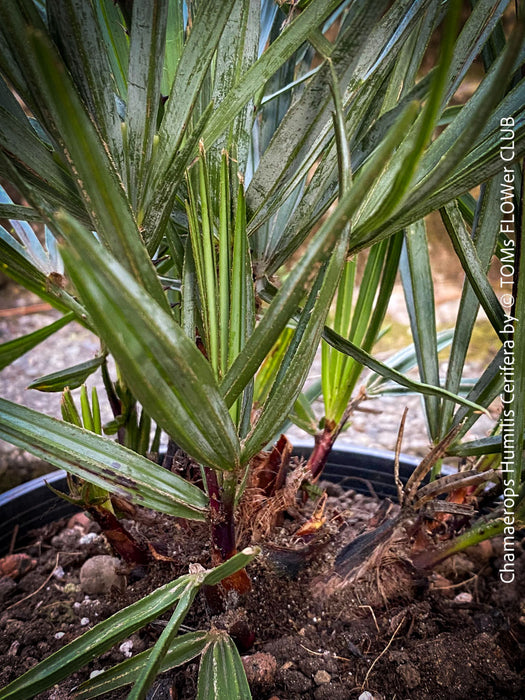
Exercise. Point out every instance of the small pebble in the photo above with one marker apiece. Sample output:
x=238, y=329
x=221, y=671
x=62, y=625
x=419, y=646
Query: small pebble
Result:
x=463, y=598
x=16, y=565
x=94, y=674
x=322, y=677
x=59, y=635
x=126, y=647
x=366, y=696
x=13, y=649
x=100, y=574
x=84, y=621
x=59, y=573
x=89, y=538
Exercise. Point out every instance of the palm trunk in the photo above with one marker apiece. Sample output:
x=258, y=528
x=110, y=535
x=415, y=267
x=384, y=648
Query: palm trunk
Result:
x=323, y=445
x=118, y=537
x=222, y=524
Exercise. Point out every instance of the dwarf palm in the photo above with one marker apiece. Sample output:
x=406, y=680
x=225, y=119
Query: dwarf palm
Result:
x=183, y=154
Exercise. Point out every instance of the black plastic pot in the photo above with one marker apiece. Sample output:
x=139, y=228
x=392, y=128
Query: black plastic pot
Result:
x=33, y=504
x=363, y=470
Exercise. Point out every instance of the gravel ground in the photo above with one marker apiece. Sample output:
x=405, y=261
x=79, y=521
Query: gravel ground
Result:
x=74, y=344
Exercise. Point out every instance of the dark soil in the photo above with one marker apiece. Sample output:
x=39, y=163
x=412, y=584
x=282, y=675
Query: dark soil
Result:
x=458, y=633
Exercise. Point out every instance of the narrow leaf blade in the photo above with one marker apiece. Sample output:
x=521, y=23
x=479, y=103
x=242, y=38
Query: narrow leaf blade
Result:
x=13, y=349
x=72, y=377
x=221, y=673
x=164, y=369
x=100, y=461
x=94, y=642
x=182, y=649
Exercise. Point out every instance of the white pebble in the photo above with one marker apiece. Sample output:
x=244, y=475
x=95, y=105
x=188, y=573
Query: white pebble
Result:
x=59, y=635
x=366, y=696
x=59, y=572
x=126, y=647
x=463, y=598
x=89, y=538
x=84, y=621
x=13, y=649
x=94, y=674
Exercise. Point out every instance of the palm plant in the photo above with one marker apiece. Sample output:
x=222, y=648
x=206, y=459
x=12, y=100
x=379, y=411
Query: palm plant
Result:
x=183, y=154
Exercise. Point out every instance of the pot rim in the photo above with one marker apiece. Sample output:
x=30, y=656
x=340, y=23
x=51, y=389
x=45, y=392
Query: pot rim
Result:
x=31, y=504
x=298, y=445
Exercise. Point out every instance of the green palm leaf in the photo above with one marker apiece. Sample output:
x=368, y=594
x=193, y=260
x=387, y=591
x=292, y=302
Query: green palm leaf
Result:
x=101, y=461
x=163, y=367
x=119, y=626
x=221, y=673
